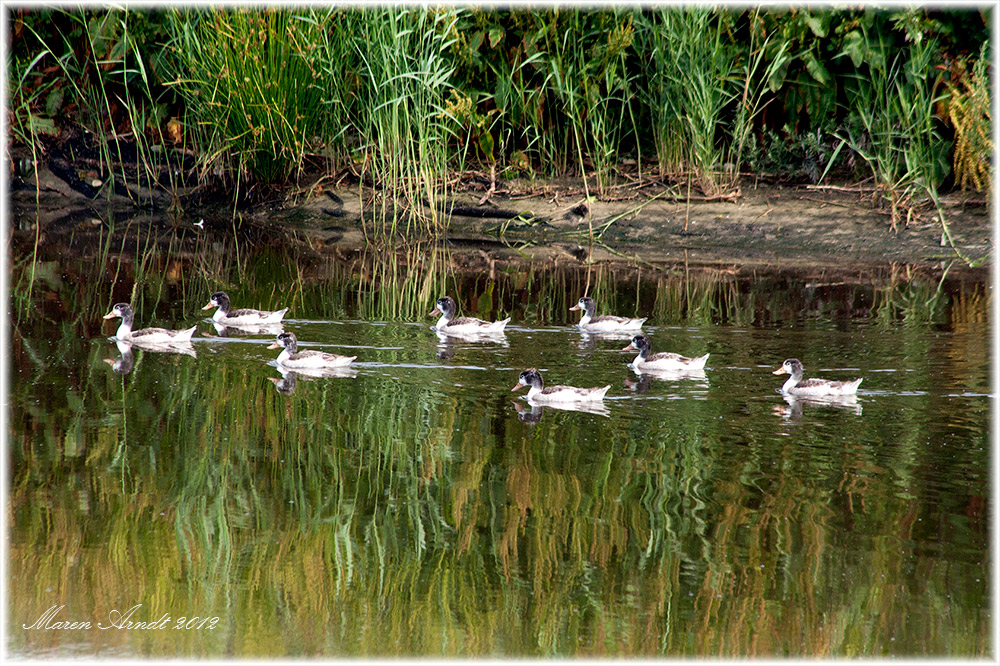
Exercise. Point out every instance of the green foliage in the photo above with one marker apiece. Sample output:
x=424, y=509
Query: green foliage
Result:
x=405, y=95
x=96, y=67
x=895, y=103
x=249, y=80
x=692, y=66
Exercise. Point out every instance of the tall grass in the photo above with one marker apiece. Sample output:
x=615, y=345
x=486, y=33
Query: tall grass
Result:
x=900, y=137
x=585, y=55
x=403, y=74
x=250, y=81
x=970, y=112
x=691, y=65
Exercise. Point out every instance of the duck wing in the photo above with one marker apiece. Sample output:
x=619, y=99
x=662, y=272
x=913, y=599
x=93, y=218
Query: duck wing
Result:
x=467, y=321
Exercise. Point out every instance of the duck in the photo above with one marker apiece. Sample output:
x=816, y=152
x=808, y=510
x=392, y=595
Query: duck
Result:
x=556, y=394
x=146, y=335
x=448, y=325
x=243, y=316
x=309, y=359
x=661, y=360
x=603, y=323
x=796, y=386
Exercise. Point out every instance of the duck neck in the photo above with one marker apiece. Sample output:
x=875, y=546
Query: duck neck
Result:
x=535, y=387
x=125, y=329
x=445, y=318
x=792, y=381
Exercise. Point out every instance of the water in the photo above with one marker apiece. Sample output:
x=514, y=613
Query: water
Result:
x=417, y=507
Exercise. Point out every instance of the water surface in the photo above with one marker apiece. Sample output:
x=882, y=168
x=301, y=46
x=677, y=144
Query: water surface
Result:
x=417, y=507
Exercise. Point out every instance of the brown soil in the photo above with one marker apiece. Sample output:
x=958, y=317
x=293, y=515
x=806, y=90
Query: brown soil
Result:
x=768, y=227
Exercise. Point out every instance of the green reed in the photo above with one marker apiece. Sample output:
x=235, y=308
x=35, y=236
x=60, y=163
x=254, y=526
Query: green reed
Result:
x=396, y=67
x=586, y=54
x=691, y=65
x=895, y=104
x=250, y=80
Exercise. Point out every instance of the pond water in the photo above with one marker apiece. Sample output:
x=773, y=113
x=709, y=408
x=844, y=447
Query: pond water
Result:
x=415, y=506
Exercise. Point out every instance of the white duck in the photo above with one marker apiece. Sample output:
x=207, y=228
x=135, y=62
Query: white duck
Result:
x=449, y=325
x=796, y=386
x=556, y=394
x=242, y=317
x=146, y=335
x=603, y=323
x=661, y=360
x=306, y=360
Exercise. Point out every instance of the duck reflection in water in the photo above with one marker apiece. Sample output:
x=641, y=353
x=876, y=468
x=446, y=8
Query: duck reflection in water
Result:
x=124, y=365
x=793, y=410
x=532, y=412
x=288, y=382
x=644, y=379
x=229, y=330
x=446, y=342
x=588, y=340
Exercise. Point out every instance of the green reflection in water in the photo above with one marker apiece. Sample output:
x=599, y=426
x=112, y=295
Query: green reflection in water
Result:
x=408, y=510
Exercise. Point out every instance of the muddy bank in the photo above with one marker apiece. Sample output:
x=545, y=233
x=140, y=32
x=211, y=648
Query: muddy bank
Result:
x=824, y=230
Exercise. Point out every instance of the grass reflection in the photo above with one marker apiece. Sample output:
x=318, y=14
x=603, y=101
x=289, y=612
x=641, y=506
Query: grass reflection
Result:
x=392, y=513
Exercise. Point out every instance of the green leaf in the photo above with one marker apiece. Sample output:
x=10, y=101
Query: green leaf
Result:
x=42, y=125
x=816, y=69
x=486, y=143
x=819, y=24
x=476, y=41
x=855, y=47
x=779, y=70
x=54, y=101
x=496, y=36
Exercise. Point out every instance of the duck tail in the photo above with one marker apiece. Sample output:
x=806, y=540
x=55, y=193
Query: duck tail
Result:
x=498, y=326
x=698, y=363
x=186, y=334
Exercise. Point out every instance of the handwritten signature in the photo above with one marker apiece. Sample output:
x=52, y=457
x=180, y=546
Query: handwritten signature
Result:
x=119, y=620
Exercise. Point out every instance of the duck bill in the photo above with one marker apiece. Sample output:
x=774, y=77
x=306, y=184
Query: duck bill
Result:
x=435, y=311
x=630, y=347
x=273, y=345
x=517, y=387
x=209, y=306
x=110, y=361
x=780, y=371
x=575, y=307
x=110, y=315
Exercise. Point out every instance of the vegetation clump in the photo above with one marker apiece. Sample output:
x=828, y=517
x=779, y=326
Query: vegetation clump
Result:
x=410, y=102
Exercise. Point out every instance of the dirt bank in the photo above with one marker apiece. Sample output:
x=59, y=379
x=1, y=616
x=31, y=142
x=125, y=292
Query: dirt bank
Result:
x=770, y=227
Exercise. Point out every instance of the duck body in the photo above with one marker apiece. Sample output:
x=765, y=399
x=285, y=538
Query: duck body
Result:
x=448, y=324
x=290, y=357
x=225, y=315
x=661, y=360
x=146, y=335
x=594, y=323
x=814, y=388
x=539, y=393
